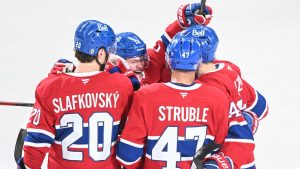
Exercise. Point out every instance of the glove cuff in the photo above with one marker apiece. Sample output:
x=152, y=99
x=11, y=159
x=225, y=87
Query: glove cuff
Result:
x=223, y=162
x=252, y=120
x=181, y=16
x=170, y=31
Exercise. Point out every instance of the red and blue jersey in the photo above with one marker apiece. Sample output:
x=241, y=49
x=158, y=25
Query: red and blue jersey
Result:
x=76, y=119
x=168, y=123
x=227, y=77
x=243, y=94
x=158, y=71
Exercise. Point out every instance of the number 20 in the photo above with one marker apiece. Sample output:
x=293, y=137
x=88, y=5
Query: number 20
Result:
x=77, y=123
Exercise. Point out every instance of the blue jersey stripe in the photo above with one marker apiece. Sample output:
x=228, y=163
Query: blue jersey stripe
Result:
x=260, y=105
x=36, y=137
x=128, y=153
x=240, y=132
x=165, y=40
x=187, y=147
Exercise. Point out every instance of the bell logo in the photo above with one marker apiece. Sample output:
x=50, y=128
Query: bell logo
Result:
x=102, y=27
x=183, y=94
x=198, y=33
x=85, y=81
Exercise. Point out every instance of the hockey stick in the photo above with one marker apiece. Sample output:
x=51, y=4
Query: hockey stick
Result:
x=4, y=103
x=19, y=144
x=202, y=153
x=202, y=7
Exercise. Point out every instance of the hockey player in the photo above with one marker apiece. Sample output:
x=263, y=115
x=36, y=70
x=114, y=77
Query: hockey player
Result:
x=158, y=71
x=133, y=49
x=76, y=116
x=165, y=133
x=147, y=64
x=247, y=97
x=227, y=77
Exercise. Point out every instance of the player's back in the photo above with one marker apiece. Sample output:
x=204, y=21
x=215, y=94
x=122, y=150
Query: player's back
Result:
x=178, y=121
x=226, y=77
x=83, y=112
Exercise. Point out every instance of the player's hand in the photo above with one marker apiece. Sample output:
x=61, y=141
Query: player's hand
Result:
x=62, y=66
x=118, y=64
x=217, y=161
x=252, y=120
x=188, y=15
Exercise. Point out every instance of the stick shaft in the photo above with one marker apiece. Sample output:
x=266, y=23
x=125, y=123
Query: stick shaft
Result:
x=4, y=103
x=202, y=6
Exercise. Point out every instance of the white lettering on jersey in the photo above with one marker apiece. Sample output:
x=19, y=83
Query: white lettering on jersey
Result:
x=176, y=113
x=234, y=111
x=87, y=100
x=36, y=113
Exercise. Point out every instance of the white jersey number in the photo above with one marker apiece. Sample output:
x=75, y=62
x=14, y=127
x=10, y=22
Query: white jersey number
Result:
x=76, y=122
x=170, y=139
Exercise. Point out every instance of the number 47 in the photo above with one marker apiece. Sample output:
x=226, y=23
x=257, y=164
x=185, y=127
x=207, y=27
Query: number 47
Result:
x=170, y=139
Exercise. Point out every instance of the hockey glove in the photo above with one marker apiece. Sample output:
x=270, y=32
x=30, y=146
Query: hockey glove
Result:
x=188, y=15
x=252, y=120
x=218, y=161
x=118, y=64
x=62, y=66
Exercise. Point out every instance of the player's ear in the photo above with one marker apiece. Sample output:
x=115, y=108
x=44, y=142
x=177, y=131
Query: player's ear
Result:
x=102, y=56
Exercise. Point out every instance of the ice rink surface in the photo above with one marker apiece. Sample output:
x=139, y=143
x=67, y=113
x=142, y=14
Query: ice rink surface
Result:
x=262, y=37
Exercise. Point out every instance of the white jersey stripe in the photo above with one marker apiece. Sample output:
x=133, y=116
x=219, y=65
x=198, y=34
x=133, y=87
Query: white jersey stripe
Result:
x=127, y=163
x=131, y=143
x=36, y=144
x=239, y=140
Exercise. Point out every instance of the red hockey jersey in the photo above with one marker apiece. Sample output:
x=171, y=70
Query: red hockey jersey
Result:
x=168, y=123
x=76, y=118
x=227, y=77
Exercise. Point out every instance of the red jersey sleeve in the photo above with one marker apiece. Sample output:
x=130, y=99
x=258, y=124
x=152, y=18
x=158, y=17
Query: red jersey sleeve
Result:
x=40, y=131
x=133, y=137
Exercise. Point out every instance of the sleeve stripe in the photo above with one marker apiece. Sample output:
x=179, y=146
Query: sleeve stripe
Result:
x=165, y=39
x=131, y=143
x=125, y=162
x=153, y=137
x=41, y=131
x=147, y=155
x=210, y=137
x=36, y=144
x=237, y=123
x=213, y=166
x=248, y=165
x=254, y=103
x=167, y=36
x=259, y=107
x=240, y=140
x=264, y=113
